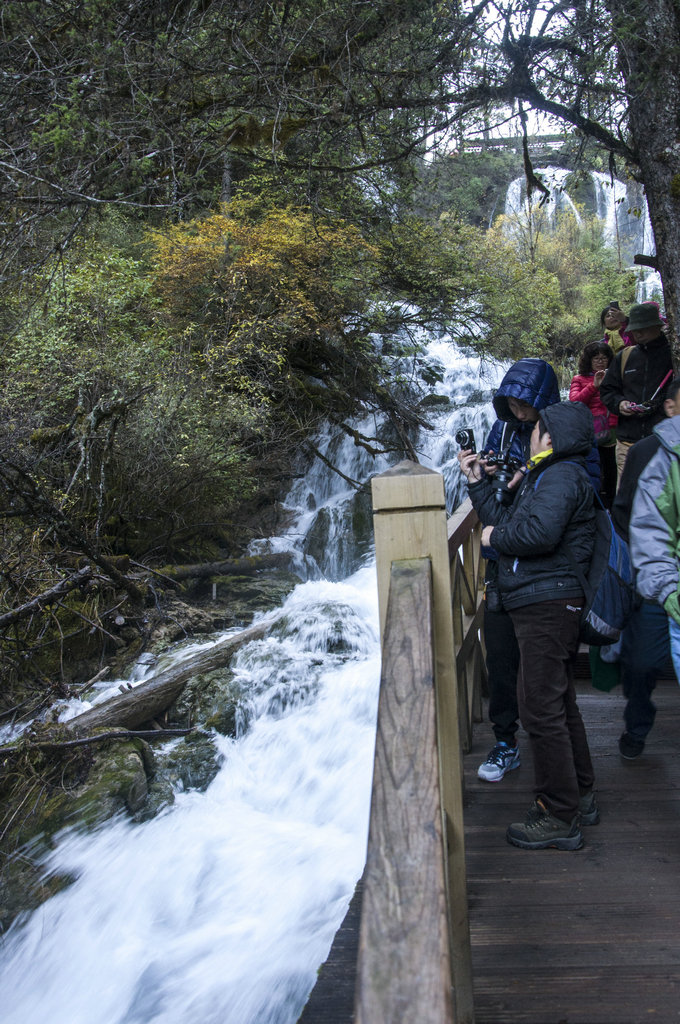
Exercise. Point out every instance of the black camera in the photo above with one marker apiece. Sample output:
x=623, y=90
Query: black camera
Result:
x=466, y=439
x=502, y=477
x=506, y=469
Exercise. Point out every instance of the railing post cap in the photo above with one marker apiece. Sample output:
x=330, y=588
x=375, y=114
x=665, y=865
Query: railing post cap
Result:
x=406, y=468
x=408, y=485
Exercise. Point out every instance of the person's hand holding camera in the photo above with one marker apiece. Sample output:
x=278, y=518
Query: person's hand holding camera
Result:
x=490, y=468
x=632, y=409
x=470, y=466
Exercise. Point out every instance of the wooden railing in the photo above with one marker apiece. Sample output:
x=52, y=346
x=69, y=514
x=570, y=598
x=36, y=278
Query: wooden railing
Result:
x=414, y=946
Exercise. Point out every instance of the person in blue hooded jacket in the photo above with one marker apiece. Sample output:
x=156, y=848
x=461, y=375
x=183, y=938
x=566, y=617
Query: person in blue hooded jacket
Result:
x=528, y=387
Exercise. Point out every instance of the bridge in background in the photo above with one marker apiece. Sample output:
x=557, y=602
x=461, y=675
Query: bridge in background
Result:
x=450, y=924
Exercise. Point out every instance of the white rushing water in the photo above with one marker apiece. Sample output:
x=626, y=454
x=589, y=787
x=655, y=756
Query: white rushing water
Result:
x=622, y=208
x=221, y=908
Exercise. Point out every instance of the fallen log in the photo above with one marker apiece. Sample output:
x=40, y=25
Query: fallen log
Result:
x=142, y=703
x=232, y=567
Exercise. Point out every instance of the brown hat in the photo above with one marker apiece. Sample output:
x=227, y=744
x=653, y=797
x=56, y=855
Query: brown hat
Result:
x=645, y=314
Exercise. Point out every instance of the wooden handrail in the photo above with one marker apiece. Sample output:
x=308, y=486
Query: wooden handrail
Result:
x=404, y=969
x=410, y=526
x=464, y=533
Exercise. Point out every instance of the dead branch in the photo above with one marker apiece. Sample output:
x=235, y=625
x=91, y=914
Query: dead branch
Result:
x=119, y=734
x=47, y=597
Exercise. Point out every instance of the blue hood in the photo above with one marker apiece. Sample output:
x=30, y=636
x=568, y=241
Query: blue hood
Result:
x=529, y=380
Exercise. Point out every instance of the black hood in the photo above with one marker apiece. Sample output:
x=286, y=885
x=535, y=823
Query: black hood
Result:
x=570, y=425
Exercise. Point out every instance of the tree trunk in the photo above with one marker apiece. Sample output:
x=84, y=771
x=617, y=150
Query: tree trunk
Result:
x=648, y=41
x=142, y=703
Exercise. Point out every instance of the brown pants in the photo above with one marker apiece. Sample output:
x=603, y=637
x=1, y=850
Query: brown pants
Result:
x=622, y=449
x=547, y=635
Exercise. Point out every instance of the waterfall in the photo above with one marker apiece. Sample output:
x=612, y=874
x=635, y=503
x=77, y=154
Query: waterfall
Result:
x=610, y=197
x=622, y=208
x=220, y=909
x=517, y=203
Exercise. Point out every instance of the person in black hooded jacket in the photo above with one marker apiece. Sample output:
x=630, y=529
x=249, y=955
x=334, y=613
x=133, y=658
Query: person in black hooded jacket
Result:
x=528, y=386
x=549, y=527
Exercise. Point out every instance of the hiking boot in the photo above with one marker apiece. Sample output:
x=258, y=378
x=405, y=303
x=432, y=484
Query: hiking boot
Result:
x=588, y=810
x=501, y=759
x=542, y=829
x=629, y=747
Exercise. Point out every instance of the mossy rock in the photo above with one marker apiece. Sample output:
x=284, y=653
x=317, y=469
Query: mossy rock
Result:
x=79, y=788
x=118, y=782
x=244, y=596
x=430, y=401
x=211, y=698
x=24, y=887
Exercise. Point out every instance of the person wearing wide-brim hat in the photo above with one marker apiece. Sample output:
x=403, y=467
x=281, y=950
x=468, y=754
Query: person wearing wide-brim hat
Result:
x=634, y=386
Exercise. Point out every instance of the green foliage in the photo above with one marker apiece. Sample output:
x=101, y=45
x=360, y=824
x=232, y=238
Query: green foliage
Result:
x=541, y=289
x=266, y=303
x=471, y=185
x=94, y=330
x=110, y=416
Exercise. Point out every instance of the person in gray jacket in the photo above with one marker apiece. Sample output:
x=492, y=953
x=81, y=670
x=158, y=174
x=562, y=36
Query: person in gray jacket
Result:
x=549, y=527
x=655, y=529
x=645, y=648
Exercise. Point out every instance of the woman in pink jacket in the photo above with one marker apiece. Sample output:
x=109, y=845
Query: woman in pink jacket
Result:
x=585, y=387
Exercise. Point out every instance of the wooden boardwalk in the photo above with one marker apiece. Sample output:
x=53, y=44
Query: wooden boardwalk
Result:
x=591, y=937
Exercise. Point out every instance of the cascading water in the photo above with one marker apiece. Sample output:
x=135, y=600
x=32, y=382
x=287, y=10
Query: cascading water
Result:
x=221, y=908
x=621, y=207
x=559, y=200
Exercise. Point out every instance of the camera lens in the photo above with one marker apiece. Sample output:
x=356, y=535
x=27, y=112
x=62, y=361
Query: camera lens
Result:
x=465, y=439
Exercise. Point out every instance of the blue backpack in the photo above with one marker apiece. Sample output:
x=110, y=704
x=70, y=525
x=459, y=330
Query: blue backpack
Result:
x=610, y=596
x=608, y=587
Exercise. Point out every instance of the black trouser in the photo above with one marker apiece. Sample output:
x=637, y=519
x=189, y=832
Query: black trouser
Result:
x=607, y=473
x=645, y=657
x=502, y=666
x=547, y=635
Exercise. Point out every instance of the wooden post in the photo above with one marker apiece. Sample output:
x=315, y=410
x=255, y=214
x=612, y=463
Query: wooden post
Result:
x=404, y=965
x=410, y=522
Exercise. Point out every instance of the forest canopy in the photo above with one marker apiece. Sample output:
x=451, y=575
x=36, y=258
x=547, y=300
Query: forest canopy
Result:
x=224, y=222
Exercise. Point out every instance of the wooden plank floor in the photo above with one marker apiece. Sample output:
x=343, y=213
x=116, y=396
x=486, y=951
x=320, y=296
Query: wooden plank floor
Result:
x=590, y=937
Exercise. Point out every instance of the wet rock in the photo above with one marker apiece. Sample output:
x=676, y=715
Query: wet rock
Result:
x=24, y=886
x=430, y=401
x=191, y=764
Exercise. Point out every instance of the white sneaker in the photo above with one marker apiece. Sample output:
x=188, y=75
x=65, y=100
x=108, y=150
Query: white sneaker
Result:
x=501, y=759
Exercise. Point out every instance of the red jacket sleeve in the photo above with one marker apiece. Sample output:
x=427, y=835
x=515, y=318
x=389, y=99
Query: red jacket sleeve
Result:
x=582, y=389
